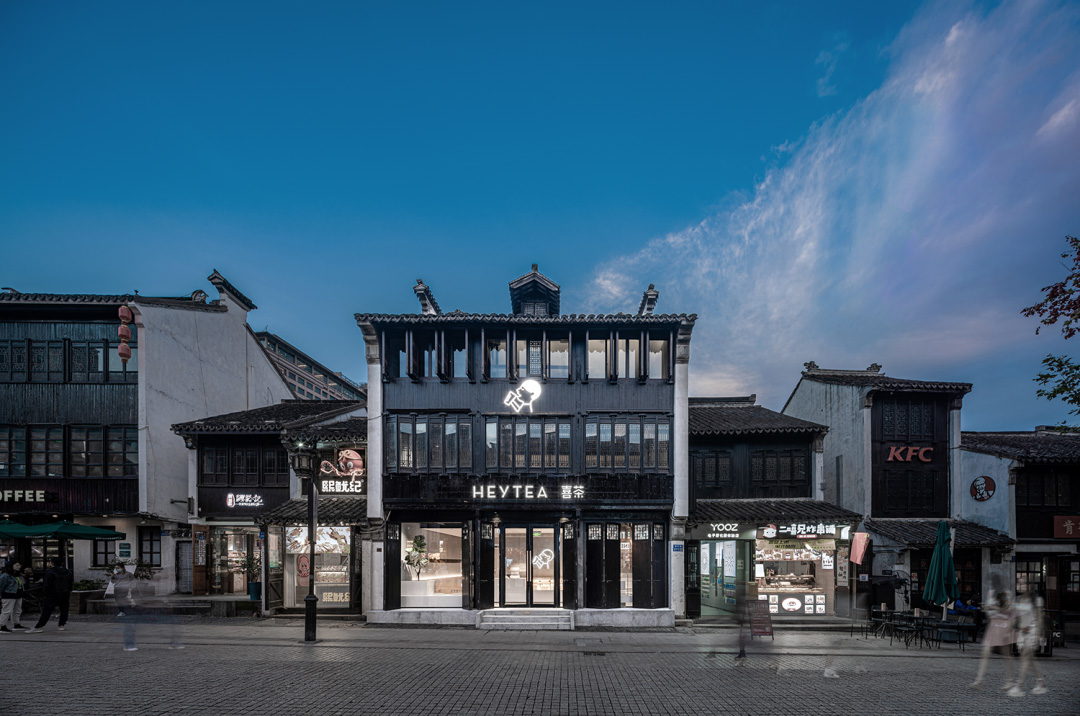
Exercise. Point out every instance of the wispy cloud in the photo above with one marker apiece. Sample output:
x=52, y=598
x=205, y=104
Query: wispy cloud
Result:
x=828, y=60
x=908, y=230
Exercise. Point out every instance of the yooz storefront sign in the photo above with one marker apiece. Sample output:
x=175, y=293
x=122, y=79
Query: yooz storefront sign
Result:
x=243, y=499
x=723, y=530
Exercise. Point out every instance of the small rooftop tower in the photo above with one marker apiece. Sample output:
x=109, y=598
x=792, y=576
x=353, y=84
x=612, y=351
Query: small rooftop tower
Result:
x=534, y=294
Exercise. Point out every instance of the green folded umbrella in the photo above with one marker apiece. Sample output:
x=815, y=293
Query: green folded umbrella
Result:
x=940, y=585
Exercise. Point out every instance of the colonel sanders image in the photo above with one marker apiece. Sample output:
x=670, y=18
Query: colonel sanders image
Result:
x=982, y=488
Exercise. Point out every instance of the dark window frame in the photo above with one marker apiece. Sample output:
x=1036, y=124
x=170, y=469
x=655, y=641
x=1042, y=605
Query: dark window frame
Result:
x=149, y=544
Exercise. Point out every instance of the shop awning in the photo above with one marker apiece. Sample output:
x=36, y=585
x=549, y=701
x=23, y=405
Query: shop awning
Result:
x=333, y=511
x=922, y=534
x=762, y=511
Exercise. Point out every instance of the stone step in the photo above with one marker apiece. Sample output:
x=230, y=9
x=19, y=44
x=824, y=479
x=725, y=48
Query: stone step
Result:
x=526, y=620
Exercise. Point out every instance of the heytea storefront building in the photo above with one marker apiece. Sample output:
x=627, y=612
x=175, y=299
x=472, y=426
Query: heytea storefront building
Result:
x=527, y=460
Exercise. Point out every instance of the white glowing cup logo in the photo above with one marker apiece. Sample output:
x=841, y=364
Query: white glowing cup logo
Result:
x=544, y=559
x=791, y=604
x=523, y=397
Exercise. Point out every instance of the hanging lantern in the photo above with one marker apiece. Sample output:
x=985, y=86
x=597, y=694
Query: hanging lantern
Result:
x=124, y=333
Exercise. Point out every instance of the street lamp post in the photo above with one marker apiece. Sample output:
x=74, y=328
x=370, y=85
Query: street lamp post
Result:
x=310, y=601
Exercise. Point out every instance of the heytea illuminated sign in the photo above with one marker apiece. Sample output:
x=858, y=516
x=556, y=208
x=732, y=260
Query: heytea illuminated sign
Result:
x=524, y=492
x=523, y=397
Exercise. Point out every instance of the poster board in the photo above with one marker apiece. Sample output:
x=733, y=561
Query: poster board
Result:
x=760, y=621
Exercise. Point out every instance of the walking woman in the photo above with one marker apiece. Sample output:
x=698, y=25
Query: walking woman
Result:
x=9, y=588
x=1029, y=624
x=999, y=634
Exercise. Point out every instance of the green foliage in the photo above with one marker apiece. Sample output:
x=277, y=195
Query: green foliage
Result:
x=1060, y=379
x=251, y=566
x=416, y=556
x=88, y=585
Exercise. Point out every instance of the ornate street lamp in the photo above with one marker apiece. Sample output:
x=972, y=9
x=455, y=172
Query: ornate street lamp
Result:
x=303, y=460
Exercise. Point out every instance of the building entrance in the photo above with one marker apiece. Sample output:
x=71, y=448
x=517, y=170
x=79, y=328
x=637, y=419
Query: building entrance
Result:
x=526, y=570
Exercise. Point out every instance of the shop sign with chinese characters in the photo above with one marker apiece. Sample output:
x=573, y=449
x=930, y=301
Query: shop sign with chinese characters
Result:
x=797, y=530
x=243, y=499
x=1066, y=526
x=525, y=492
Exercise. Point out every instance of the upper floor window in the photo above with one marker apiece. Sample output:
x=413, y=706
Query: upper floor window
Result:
x=629, y=357
x=712, y=468
x=12, y=451
x=596, y=365
x=907, y=419
x=78, y=451
x=246, y=464
x=1043, y=490
x=770, y=467
x=627, y=443
x=59, y=361
x=659, y=362
x=527, y=444
x=559, y=357
x=529, y=358
x=428, y=443
x=495, y=357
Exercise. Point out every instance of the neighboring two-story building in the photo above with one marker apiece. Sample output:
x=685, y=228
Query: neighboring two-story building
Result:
x=85, y=436
x=758, y=529
x=1030, y=480
x=529, y=459
x=892, y=453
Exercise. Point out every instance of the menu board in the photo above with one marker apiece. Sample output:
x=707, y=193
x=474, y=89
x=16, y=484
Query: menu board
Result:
x=760, y=621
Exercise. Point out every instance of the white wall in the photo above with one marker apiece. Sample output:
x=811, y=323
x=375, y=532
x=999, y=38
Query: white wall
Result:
x=840, y=407
x=995, y=513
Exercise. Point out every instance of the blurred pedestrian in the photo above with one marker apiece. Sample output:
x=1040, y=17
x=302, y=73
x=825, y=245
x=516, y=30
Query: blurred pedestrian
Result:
x=58, y=582
x=119, y=588
x=22, y=579
x=1028, y=638
x=9, y=588
x=1000, y=634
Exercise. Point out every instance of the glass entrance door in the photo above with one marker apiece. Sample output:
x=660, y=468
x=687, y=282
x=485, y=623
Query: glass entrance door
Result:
x=526, y=569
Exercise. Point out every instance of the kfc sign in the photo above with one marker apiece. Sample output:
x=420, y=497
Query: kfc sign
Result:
x=908, y=454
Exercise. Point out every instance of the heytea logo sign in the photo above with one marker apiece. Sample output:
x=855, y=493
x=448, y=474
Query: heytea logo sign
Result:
x=523, y=397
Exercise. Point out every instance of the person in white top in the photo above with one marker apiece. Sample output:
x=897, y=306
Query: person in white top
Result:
x=1028, y=612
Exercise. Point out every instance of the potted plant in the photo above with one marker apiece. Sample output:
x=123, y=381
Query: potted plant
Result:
x=83, y=591
x=416, y=557
x=251, y=567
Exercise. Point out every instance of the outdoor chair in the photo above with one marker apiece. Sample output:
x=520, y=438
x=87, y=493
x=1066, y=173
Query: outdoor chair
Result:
x=954, y=626
x=904, y=629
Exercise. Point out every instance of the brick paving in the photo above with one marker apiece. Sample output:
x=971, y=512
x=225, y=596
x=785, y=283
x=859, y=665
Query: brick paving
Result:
x=241, y=666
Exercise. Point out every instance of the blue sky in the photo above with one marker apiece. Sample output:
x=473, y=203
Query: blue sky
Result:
x=847, y=183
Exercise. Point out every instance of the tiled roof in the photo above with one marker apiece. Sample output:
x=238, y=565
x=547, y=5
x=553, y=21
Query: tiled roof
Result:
x=332, y=511
x=715, y=418
x=270, y=419
x=770, y=510
x=527, y=319
x=351, y=430
x=922, y=533
x=222, y=284
x=879, y=381
x=1030, y=447
x=196, y=301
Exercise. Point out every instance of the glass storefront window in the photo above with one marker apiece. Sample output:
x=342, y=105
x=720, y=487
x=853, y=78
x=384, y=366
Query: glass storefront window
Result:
x=431, y=564
x=331, y=568
x=229, y=546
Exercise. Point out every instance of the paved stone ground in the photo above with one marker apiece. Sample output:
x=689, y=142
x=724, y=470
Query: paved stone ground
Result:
x=242, y=666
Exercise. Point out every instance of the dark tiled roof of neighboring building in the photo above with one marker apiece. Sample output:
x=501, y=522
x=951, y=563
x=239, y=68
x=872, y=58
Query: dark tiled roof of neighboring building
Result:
x=525, y=319
x=922, y=533
x=1039, y=446
x=351, y=430
x=270, y=419
x=711, y=416
x=196, y=301
x=332, y=511
x=222, y=284
x=879, y=381
x=803, y=509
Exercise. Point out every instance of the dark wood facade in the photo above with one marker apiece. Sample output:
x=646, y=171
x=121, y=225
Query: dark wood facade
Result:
x=68, y=411
x=910, y=455
x=740, y=467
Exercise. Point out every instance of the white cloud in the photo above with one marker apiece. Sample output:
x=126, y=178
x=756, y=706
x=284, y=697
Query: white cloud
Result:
x=828, y=59
x=908, y=230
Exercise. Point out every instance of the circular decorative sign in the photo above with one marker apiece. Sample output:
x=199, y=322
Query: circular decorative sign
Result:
x=983, y=488
x=791, y=604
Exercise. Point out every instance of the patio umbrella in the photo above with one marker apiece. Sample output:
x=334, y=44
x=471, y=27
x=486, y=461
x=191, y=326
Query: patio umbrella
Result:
x=70, y=530
x=14, y=530
x=940, y=585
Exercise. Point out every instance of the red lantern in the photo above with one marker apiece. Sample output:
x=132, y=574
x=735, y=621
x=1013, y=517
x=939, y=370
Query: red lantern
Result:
x=126, y=315
x=124, y=351
x=124, y=333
